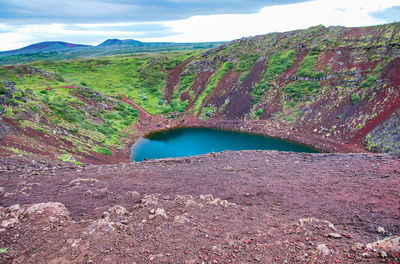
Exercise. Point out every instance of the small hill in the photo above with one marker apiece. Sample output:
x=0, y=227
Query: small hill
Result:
x=57, y=50
x=119, y=42
x=47, y=46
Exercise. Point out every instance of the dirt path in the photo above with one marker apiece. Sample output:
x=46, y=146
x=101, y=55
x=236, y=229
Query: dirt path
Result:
x=265, y=207
x=142, y=113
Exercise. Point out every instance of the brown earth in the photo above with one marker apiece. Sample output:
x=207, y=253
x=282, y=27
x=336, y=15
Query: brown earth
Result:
x=230, y=207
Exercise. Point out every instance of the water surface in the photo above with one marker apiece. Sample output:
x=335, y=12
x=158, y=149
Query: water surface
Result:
x=185, y=142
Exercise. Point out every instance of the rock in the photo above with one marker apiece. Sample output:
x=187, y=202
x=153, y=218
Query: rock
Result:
x=323, y=250
x=55, y=209
x=181, y=219
x=118, y=210
x=365, y=255
x=334, y=235
x=389, y=244
x=103, y=225
x=357, y=246
x=160, y=212
x=151, y=199
x=151, y=217
x=381, y=230
x=14, y=207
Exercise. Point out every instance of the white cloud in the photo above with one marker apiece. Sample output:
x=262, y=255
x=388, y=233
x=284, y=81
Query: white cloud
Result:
x=277, y=18
x=207, y=28
x=10, y=40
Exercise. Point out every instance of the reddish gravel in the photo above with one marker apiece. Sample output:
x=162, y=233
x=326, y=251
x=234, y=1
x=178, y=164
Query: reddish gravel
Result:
x=264, y=207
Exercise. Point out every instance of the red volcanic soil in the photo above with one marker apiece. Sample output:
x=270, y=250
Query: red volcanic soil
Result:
x=198, y=86
x=391, y=92
x=230, y=207
x=173, y=79
x=142, y=112
x=240, y=100
x=224, y=86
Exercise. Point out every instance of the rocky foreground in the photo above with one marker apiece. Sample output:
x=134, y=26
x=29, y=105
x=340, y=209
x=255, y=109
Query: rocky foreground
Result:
x=230, y=207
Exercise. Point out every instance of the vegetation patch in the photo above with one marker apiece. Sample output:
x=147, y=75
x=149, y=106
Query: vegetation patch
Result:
x=225, y=68
x=103, y=150
x=299, y=89
x=307, y=67
x=277, y=64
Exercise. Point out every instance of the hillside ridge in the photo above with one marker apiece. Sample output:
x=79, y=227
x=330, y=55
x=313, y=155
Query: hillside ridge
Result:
x=336, y=89
x=71, y=195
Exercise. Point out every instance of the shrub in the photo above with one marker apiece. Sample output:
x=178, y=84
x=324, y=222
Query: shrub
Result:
x=66, y=111
x=299, y=89
x=126, y=110
x=281, y=62
x=258, y=91
x=103, y=150
x=246, y=62
x=307, y=67
x=369, y=81
x=3, y=89
x=355, y=98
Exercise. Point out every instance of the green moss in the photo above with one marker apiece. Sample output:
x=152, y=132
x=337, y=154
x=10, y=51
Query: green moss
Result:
x=208, y=112
x=300, y=89
x=277, y=64
x=247, y=62
x=355, y=98
x=103, y=150
x=369, y=82
x=307, y=67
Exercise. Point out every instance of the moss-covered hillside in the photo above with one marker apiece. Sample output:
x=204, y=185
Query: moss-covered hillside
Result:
x=338, y=83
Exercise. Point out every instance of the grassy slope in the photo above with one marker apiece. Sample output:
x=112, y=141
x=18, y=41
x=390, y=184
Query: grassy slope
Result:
x=81, y=97
x=327, y=80
x=100, y=51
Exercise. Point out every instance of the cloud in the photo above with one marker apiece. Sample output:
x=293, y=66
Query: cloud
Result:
x=278, y=18
x=100, y=11
x=222, y=27
x=92, y=34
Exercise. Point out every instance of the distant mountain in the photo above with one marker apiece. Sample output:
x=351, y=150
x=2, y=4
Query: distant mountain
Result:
x=119, y=42
x=47, y=46
x=58, y=50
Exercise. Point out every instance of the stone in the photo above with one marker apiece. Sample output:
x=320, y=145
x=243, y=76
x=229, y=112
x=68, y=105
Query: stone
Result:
x=323, y=250
x=14, y=207
x=151, y=217
x=334, y=235
x=181, y=219
x=381, y=230
x=160, y=212
x=389, y=244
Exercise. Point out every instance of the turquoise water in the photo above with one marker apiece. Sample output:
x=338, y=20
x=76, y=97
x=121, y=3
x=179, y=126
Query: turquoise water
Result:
x=185, y=142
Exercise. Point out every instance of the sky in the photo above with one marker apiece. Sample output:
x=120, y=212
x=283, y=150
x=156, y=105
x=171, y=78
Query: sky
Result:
x=24, y=22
